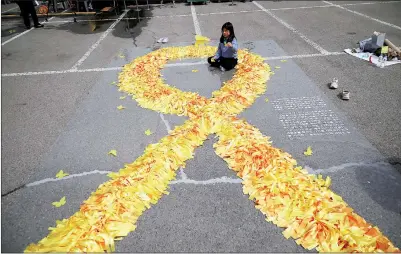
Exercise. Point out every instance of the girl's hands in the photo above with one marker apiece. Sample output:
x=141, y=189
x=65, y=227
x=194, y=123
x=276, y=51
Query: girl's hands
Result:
x=229, y=44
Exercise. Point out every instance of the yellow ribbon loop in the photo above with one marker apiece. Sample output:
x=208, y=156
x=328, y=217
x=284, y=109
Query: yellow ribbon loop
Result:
x=290, y=198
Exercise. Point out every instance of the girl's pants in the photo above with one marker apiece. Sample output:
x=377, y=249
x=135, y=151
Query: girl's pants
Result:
x=226, y=63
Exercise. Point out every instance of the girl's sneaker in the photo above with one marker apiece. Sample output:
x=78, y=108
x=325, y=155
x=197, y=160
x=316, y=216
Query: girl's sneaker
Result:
x=334, y=84
x=345, y=95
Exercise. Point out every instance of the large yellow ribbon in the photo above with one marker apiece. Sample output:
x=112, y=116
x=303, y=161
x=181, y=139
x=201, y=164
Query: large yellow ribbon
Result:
x=289, y=197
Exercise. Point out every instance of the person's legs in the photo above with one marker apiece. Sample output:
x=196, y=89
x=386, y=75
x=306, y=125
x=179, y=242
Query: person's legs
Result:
x=216, y=63
x=229, y=63
x=32, y=11
x=24, y=13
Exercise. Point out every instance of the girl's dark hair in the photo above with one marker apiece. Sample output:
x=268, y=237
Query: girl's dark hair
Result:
x=230, y=28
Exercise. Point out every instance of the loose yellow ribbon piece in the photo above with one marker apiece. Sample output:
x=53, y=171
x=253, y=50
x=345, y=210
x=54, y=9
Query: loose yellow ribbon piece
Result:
x=290, y=198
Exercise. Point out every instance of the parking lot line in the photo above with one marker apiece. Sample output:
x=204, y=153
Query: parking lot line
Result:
x=306, y=39
x=35, y=73
x=25, y=32
x=365, y=16
x=18, y=74
x=97, y=43
x=368, y=3
x=223, y=179
x=304, y=56
x=217, y=13
x=17, y=36
x=195, y=20
x=9, y=10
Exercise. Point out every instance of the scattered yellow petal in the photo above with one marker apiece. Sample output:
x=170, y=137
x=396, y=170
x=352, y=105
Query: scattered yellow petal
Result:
x=59, y=203
x=308, y=151
x=61, y=174
x=328, y=182
x=121, y=55
x=277, y=67
x=148, y=132
x=283, y=60
x=194, y=70
x=123, y=97
x=113, y=83
x=92, y=25
x=113, y=152
x=267, y=100
x=200, y=40
x=120, y=107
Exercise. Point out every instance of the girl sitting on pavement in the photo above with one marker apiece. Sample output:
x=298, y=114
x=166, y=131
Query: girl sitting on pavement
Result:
x=226, y=55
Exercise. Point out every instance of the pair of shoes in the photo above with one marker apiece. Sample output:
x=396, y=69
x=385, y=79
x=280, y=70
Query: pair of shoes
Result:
x=344, y=94
x=39, y=25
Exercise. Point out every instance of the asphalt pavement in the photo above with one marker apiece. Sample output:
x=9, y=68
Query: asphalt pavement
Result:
x=57, y=117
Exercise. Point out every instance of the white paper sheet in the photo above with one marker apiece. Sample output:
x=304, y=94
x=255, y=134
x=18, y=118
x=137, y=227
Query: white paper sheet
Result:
x=370, y=57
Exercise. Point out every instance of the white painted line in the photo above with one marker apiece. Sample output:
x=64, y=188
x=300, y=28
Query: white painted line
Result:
x=166, y=123
x=227, y=12
x=87, y=20
x=47, y=180
x=223, y=179
x=98, y=69
x=380, y=165
x=25, y=32
x=59, y=72
x=290, y=57
x=9, y=10
x=306, y=39
x=33, y=73
x=185, y=180
x=97, y=43
x=109, y=19
x=303, y=56
x=182, y=174
x=365, y=16
x=387, y=2
x=300, y=7
x=17, y=36
x=185, y=64
x=275, y=9
x=10, y=23
x=18, y=74
x=213, y=13
x=195, y=19
x=170, y=16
